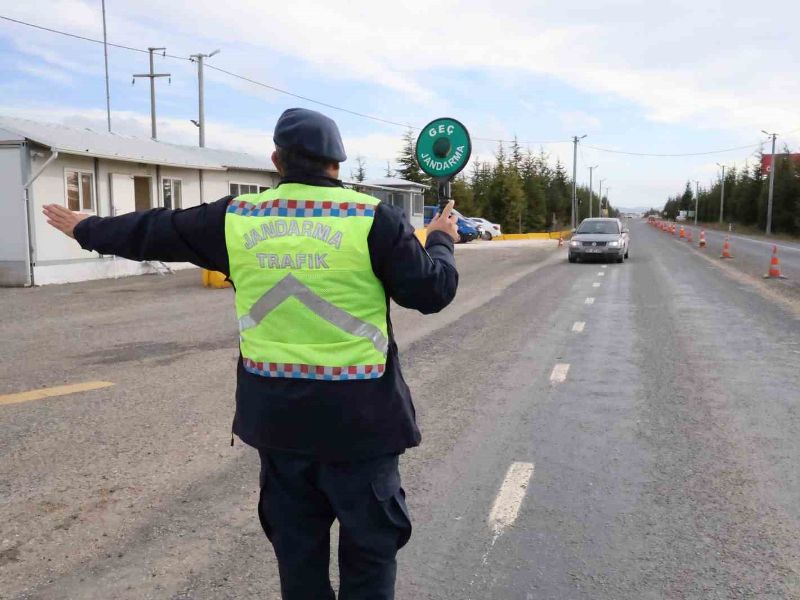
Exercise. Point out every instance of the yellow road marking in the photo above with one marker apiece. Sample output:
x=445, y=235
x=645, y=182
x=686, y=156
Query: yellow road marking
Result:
x=58, y=390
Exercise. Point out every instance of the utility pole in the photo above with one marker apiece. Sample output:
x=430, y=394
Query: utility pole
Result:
x=575, y=178
x=696, y=199
x=772, y=168
x=152, y=76
x=105, y=54
x=590, y=189
x=600, y=198
x=608, y=189
x=722, y=194
x=201, y=111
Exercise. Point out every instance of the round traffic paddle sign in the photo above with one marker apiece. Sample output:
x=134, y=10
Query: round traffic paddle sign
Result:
x=443, y=148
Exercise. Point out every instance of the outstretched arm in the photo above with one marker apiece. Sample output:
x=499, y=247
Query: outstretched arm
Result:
x=195, y=235
x=424, y=279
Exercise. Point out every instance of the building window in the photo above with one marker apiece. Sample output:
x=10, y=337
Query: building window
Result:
x=172, y=192
x=396, y=199
x=417, y=204
x=80, y=190
x=238, y=189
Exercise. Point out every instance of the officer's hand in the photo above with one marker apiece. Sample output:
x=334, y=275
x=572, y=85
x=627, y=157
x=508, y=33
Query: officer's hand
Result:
x=63, y=218
x=446, y=222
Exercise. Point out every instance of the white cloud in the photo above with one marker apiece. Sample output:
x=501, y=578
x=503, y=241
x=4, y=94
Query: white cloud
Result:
x=710, y=67
x=684, y=62
x=44, y=72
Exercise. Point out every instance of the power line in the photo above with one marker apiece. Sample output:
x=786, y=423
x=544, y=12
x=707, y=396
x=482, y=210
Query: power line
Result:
x=360, y=114
x=84, y=38
x=307, y=99
x=612, y=151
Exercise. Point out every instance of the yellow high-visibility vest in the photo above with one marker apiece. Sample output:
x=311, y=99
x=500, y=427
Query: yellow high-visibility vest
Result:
x=308, y=303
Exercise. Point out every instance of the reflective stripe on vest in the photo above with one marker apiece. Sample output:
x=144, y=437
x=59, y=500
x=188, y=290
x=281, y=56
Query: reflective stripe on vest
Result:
x=290, y=287
x=307, y=301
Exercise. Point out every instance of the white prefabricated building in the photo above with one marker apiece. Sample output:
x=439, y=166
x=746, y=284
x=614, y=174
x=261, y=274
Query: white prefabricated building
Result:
x=107, y=174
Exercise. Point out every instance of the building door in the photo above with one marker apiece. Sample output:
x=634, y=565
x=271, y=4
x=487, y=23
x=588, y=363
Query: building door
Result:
x=142, y=192
x=15, y=266
x=122, y=193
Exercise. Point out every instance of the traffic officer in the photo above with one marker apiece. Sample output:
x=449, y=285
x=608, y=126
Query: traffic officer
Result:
x=319, y=391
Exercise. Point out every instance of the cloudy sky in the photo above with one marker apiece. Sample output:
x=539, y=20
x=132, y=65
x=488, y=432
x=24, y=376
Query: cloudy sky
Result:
x=668, y=77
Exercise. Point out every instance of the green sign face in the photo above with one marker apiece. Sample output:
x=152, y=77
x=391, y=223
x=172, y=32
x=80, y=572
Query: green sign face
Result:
x=443, y=148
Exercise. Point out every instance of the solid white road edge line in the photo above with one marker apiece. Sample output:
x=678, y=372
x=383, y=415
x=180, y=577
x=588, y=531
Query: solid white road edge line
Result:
x=509, y=499
x=578, y=326
x=596, y=284
x=559, y=373
x=601, y=273
x=589, y=301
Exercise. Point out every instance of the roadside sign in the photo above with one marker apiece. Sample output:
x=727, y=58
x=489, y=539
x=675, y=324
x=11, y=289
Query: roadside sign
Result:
x=443, y=148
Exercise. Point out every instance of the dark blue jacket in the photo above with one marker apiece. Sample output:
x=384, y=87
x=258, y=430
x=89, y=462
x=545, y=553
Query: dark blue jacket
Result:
x=332, y=420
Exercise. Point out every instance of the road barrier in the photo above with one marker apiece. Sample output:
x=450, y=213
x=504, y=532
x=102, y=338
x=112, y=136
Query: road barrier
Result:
x=726, y=249
x=215, y=279
x=774, y=266
x=539, y=235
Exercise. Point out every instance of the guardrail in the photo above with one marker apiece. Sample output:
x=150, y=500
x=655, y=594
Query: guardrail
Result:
x=538, y=235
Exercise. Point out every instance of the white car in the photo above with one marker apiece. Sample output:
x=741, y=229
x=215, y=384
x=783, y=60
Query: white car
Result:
x=488, y=229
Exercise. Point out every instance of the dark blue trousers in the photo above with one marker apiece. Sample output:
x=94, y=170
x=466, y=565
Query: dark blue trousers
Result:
x=300, y=498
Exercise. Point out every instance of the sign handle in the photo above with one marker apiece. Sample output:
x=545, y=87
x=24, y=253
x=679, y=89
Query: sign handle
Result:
x=444, y=193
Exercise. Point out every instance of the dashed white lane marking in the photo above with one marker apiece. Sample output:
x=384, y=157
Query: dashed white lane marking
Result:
x=589, y=301
x=603, y=266
x=578, y=326
x=506, y=506
x=596, y=284
x=559, y=373
x=509, y=499
x=601, y=273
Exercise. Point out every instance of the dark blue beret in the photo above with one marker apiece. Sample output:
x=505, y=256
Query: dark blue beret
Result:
x=310, y=133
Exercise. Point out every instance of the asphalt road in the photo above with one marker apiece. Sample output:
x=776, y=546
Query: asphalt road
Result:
x=752, y=254
x=638, y=438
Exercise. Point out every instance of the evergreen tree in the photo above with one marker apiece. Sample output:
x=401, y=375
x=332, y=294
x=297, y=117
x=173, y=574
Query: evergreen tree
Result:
x=464, y=198
x=361, y=169
x=514, y=201
x=409, y=169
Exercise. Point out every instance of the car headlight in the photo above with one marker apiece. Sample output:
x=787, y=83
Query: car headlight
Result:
x=614, y=244
x=574, y=243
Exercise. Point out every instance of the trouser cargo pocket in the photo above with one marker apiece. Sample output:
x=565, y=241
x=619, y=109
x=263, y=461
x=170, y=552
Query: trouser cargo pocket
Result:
x=392, y=499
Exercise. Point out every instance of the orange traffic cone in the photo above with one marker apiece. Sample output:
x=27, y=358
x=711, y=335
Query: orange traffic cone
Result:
x=774, y=266
x=689, y=237
x=683, y=233
x=726, y=249
x=702, y=242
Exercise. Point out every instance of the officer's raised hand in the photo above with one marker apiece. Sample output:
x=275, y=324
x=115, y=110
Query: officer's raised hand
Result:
x=445, y=221
x=63, y=218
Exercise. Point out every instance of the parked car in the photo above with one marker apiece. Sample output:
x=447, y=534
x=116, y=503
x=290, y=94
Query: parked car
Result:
x=428, y=213
x=488, y=229
x=467, y=230
x=600, y=238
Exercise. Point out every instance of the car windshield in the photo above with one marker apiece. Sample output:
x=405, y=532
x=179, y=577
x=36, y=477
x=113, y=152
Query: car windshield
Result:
x=598, y=227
